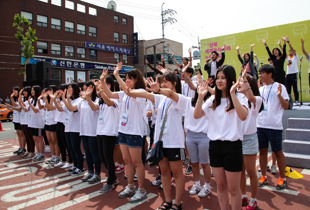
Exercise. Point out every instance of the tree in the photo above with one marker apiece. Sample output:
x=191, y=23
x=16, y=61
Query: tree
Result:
x=26, y=38
x=197, y=67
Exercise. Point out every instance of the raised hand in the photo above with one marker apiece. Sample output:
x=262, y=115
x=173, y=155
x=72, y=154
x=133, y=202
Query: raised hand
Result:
x=245, y=70
x=279, y=42
x=83, y=94
x=279, y=91
x=264, y=41
x=69, y=92
x=223, y=47
x=146, y=61
x=252, y=45
x=185, y=67
x=89, y=91
x=127, y=87
x=173, y=54
x=302, y=41
x=29, y=99
x=103, y=75
x=238, y=47
x=21, y=91
x=190, y=50
x=234, y=86
x=162, y=69
x=283, y=38
x=117, y=68
x=154, y=87
x=203, y=88
x=210, y=81
x=199, y=78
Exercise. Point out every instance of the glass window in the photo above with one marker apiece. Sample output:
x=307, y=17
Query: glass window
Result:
x=94, y=74
x=81, y=29
x=92, y=11
x=115, y=18
x=69, y=51
x=125, y=38
x=42, y=20
x=92, y=31
x=116, y=57
x=125, y=59
x=69, y=5
x=80, y=52
x=27, y=15
x=42, y=47
x=45, y=1
x=56, y=49
x=56, y=23
x=56, y=74
x=93, y=54
x=124, y=21
x=116, y=37
x=69, y=26
x=56, y=2
x=81, y=8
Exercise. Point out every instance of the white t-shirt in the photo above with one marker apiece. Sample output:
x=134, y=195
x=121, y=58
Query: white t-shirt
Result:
x=88, y=118
x=225, y=126
x=194, y=78
x=271, y=116
x=135, y=109
x=186, y=90
x=249, y=126
x=190, y=123
x=24, y=115
x=174, y=137
x=108, y=120
x=292, y=64
x=35, y=119
x=16, y=114
x=60, y=116
x=50, y=117
x=308, y=58
x=151, y=107
x=72, y=118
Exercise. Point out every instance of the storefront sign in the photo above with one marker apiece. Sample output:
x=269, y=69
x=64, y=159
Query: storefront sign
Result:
x=106, y=47
x=135, y=48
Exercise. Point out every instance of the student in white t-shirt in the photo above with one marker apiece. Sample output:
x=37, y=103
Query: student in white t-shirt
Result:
x=225, y=112
x=132, y=128
x=307, y=57
x=269, y=123
x=292, y=72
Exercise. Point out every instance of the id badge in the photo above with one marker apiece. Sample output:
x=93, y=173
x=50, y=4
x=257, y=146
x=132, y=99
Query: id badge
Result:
x=100, y=117
x=67, y=118
x=264, y=112
x=165, y=128
x=124, y=118
x=47, y=115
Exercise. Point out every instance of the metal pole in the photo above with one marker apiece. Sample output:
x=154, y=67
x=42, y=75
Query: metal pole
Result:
x=163, y=29
x=300, y=104
x=145, y=65
x=154, y=56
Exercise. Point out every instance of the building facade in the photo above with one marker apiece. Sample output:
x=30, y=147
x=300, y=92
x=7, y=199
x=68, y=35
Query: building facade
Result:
x=77, y=38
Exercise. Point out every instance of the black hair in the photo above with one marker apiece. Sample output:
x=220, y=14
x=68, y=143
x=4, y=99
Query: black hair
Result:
x=94, y=93
x=254, y=87
x=280, y=53
x=63, y=87
x=116, y=86
x=37, y=92
x=269, y=59
x=268, y=69
x=190, y=70
x=81, y=84
x=17, y=88
x=28, y=90
x=248, y=54
x=217, y=54
x=230, y=75
x=185, y=59
x=199, y=71
x=136, y=74
x=76, y=90
x=109, y=80
x=173, y=78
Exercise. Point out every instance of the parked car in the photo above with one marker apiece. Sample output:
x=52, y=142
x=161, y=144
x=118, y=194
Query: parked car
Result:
x=6, y=114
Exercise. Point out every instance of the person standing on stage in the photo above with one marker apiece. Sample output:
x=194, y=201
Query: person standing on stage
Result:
x=307, y=56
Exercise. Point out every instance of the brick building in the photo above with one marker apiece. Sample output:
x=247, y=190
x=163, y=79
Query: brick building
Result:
x=77, y=38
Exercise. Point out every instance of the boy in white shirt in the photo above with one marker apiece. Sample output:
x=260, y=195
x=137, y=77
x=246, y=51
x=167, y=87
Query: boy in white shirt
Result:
x=292, y=72
x=269, y=123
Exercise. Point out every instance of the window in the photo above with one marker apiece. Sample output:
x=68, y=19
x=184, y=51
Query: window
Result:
x=94, y=74
x=116, y=37
x=92, y=11
x=56, y=24
x=27, y=15
x=80, y=52
x=116, y=57
x=42, y=47
x=125, y=39
x=56, y=2
x=69, y=5
x=69, y=51
x=93, y=54
x=125, y=59
x=56, y=74
x=56, y=49
x=81, y=29
x=80, y=8
x=45, y=1
x=115, y=18
x=41, y=20
x=92, y=31
x=124, y=21
x=69, y=26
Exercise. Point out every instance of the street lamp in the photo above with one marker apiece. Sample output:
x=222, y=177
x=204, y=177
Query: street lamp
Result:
x=154, y=46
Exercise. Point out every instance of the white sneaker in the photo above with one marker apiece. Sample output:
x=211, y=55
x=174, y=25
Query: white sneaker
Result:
x=67, y=165
x=274, y=169
x=204, y=191
x=47, y=149
x=59, y=164
x=139, y=196
x=194, y=190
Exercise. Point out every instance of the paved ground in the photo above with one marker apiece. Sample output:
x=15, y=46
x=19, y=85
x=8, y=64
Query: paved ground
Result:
x=28, y=185
x=9, y=132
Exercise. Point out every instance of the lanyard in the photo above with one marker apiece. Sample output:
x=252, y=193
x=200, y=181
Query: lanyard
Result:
x=127, y=102
x=162, y=112
x=269, y=91
x=183, y=89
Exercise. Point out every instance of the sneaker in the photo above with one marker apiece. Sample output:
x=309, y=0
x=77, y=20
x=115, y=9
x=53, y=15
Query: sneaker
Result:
x=119, y=169
x=139, y=196
x=47, y=149
x=186, y=161
x=21, y=152
x=189, y=170
x=17, y=151
x=30, y=155
x=157, y=181
x=106, y=188
x=161, y=185
x=273, y=170
x=127, y=192
x=50, y=160
x=24, y=155
x=78, y=172
x=59, y=164
x=252, y=204
x=94, y=179
x=244, y=201
x=56, y=160
x=262, y=181
x=268, y=168
x=87, y=177
x=67, y=165
x=71, y=170
x=194, y=190
x=35, y=157
x=39, y=158
x=204, y=191
x=212, y=175
x=135, y=177
x=282, y=184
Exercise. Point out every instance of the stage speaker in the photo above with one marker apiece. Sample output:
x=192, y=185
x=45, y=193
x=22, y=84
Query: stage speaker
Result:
x=43, y=70
x=44, y=83
x=31, y=72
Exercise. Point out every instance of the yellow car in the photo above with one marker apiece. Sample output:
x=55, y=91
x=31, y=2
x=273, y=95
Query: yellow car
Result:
x=6, y=114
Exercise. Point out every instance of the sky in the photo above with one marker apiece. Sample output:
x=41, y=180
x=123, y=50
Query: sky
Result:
x=207, y=19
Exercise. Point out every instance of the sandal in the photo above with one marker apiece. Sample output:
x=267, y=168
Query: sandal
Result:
x=177, y=207
x=165, y=206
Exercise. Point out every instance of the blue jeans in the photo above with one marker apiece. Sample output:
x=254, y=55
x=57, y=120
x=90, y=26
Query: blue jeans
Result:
x=90, y=145
x=74, y=147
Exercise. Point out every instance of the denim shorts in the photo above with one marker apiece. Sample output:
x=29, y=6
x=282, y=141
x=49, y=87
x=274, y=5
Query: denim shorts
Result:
x=250, y=144
x=130, y=140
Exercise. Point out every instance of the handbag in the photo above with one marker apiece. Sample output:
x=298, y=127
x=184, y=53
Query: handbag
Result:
x=157, y=153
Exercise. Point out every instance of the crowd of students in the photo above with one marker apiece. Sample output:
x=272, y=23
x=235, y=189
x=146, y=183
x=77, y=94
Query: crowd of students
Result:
x=222, y=123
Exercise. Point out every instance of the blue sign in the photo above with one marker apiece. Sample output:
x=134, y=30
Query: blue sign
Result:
x=106, y=47
x=135, y=48
x=78, y=65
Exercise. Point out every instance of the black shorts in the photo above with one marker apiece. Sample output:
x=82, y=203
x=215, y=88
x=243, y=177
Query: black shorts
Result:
x=36, y=131
x=17, y=126
x=226, y=154
x=50, y=128
x=174, y=154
